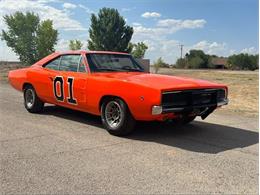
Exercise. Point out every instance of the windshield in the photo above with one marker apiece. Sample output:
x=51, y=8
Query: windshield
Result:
x=113, y=62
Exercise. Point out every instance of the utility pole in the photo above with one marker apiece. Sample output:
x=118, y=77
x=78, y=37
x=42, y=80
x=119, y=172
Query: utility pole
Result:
x=181, y=49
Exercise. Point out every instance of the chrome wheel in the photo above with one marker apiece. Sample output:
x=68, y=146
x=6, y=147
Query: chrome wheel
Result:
x=29, y=98
x=113, y=114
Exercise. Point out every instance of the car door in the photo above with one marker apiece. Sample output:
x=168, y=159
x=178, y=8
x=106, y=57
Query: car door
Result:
x=74, y=76
x=44, y=80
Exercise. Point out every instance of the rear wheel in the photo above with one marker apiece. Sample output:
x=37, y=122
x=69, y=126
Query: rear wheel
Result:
x=116, y=117
x=31, y=101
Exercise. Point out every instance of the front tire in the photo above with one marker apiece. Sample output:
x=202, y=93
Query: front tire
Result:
x=32, y=103
x=116, y=117
x=187, y=119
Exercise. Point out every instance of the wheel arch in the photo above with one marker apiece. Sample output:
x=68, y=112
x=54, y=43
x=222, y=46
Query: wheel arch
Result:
x=26, y=84
x=108, y=97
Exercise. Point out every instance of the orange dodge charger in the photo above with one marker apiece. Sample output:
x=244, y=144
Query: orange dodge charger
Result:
x=115, y=86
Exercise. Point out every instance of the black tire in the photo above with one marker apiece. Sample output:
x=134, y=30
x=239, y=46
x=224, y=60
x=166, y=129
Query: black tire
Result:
x=187, y=119
x=33, y=105
x=126, y=122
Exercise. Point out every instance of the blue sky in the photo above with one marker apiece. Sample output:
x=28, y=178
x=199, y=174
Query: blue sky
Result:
x=221, y=27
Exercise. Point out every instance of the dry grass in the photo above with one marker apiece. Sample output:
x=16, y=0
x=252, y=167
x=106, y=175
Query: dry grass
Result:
x=243, y=87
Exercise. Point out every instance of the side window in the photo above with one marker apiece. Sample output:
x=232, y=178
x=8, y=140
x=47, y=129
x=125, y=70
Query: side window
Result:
x=69, y=63
x=54, y=64
x=82, y=67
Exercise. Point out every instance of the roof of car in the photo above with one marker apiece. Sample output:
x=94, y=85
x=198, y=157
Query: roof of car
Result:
x=58, y=53
x=86, y=52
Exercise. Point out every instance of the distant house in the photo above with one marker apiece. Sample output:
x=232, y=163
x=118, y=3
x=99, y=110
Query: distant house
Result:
x=219, y=63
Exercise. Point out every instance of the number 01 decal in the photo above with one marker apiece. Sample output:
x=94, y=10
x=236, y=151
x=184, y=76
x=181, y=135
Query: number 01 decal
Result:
x=58, y=86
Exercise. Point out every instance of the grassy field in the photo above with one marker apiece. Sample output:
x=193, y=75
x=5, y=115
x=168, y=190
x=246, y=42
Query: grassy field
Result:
x=243, y=85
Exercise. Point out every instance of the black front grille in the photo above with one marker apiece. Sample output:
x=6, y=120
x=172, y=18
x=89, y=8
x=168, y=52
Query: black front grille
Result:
x=192, y=98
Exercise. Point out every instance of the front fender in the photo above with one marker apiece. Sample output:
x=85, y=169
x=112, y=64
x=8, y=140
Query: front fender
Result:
x=139, y=98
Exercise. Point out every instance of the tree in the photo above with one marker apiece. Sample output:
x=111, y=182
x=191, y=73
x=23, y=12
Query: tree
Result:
x=197, y=59
x=46, y=39
x=108, y=31
x=159, y=63
x=181, y=63
x=243, y=61
x=139, y=50
x=75, y=44
x=29, y=38
x=196, y=62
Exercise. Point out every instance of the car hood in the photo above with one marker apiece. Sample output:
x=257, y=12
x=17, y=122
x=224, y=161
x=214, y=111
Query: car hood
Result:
x=161, y=82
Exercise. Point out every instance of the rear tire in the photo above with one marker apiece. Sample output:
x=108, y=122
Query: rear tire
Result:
x=116, y=117
x=32, y=103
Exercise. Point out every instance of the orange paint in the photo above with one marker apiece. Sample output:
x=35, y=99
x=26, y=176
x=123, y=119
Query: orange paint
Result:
x=139, y=90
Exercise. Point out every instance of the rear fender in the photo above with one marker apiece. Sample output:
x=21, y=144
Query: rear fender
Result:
x=17, y=78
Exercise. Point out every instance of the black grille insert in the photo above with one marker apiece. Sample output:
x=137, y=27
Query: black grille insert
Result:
x=192, y=98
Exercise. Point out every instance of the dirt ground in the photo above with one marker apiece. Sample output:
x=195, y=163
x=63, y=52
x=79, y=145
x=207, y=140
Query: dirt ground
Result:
x=62, y=151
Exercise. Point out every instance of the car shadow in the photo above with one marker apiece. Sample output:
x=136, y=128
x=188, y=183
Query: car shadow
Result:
x=198, y=136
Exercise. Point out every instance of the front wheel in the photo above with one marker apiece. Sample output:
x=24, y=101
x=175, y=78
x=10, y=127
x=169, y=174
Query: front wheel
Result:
x=187, y=119
x=116, y=117
x=31, y=101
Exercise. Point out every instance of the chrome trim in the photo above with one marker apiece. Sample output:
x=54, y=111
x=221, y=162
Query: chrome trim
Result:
x=157, y=110
x=225, y=102
x=167, y=92
x=188, y=90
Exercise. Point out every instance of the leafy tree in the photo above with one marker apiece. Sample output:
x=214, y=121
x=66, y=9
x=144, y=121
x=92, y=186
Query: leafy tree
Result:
x=197, y=59
x=159, y=63
x=139, y=50
x=29, y=38
x=75, y=44
x=108, y=31
x=243, y=61
x=196, y=62
x=46, y=38
x=181, y=63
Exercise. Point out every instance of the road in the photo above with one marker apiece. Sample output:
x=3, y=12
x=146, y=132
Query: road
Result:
x=63, y=151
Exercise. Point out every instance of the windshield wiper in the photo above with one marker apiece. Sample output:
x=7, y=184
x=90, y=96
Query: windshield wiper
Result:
x=131, y=69
x=106, y=69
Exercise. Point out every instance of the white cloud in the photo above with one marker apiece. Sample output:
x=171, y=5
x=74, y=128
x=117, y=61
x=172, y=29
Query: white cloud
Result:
x=180, y=24
x=167, y=27
x=232, y=51
x=61, y=18
x=151, y=15
x=63, y=44
x=136, y=24
x=158, y=41
x=86, y=9
x=211, y=47
x=250, y=50
x=6, y=54
x=69, y=6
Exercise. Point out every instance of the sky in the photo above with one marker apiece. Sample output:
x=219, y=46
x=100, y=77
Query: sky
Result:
x=220, y=27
